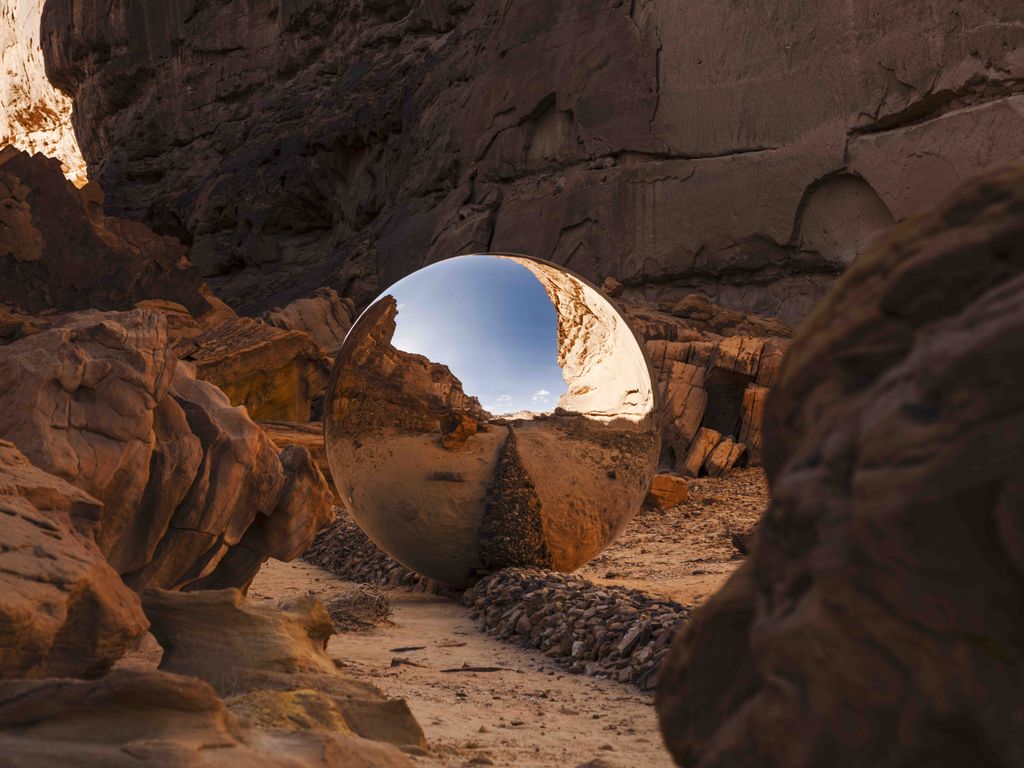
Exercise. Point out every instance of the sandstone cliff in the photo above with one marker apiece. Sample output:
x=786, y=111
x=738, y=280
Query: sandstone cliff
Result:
x=746, y=151
x=34, y=116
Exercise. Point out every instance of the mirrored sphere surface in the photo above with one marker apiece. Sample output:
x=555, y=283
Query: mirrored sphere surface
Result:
x=491, y=411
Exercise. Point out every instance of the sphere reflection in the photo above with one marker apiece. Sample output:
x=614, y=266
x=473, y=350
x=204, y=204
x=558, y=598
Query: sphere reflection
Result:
x=491, y=411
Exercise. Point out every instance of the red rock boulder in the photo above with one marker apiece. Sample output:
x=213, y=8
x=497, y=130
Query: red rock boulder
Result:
x=878, y=619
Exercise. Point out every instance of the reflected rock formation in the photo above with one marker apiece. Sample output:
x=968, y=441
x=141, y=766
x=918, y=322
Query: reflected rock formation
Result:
x=491, y=411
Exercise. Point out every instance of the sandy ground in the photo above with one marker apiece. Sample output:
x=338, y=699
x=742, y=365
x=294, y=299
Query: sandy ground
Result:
x=528, y=712
x=685, y=553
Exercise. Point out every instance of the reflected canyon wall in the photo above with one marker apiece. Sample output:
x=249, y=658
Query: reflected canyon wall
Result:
x=744, y=151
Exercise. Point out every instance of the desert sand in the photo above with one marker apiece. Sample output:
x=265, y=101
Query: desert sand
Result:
x=525, y=710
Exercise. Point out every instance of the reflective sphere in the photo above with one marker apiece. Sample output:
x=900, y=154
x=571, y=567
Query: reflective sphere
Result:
x=491, y=411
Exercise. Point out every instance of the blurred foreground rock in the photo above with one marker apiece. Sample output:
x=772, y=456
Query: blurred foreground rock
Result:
x=158, y=720
x=194, y=493
x=878, y=619
x=715, y=367
x=270, y=665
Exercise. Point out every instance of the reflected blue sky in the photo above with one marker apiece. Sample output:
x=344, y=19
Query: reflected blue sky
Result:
x=491, y=322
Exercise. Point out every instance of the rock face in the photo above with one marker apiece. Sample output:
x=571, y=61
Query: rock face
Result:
x=600, y=362
x=63, y=609
x=715, y=367
x=157, y=720
x=58, y=251
x=384, y=384
x=271, y=665
x=877, y=616
x=188, y=484
x=673, y=146
x=34, y=116
x=275, y=374
x=325, y=316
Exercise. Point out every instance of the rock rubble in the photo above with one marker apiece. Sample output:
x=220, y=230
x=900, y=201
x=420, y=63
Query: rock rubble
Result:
x=604, y=631
x=343, y=549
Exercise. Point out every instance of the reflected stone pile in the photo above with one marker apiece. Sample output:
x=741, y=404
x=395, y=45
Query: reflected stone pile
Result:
x=488, y=412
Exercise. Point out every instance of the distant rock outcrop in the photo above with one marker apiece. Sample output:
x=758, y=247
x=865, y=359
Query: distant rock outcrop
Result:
x=678, y=147
x=715, y=367
x=194, y=493
x=877, y=620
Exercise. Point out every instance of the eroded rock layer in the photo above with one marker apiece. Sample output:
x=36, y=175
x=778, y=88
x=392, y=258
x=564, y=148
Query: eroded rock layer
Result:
x=676, y=146
x=63, y=610
x=877, y=620
x=136, y=718
x=193, y=492
x=715, y=368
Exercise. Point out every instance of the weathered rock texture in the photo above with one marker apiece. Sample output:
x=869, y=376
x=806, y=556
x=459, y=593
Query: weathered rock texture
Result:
x=158, y=720
x=276, y=374
x=748, y=152
x=271, y=665
x=58, y=251
x=34, y=116
x=715, y=367
x=877, y=621
x=63, y=609
x=193, y=492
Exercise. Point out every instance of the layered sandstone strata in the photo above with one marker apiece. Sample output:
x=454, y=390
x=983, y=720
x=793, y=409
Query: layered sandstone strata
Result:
x=193, y=492
x=676, y=146
x=877, y=619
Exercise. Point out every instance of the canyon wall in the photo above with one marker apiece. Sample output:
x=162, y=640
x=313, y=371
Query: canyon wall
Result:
x=749, y=151
x=34, y=116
